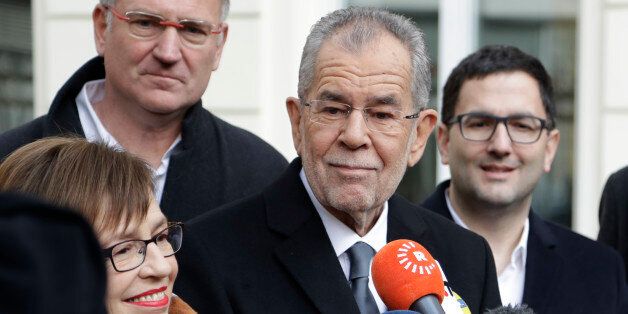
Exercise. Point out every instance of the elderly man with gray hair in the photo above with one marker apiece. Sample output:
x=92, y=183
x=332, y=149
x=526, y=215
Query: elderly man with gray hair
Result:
x=359, y=121
x=142, y=94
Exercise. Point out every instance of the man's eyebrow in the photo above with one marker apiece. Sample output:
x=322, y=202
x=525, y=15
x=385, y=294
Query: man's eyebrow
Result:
x=384, y=100
x=329, y=95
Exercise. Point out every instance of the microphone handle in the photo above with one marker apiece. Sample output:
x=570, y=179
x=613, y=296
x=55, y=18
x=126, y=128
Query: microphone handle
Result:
x=427, y=305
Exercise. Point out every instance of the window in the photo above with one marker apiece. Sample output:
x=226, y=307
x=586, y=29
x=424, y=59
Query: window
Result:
x=16, y=71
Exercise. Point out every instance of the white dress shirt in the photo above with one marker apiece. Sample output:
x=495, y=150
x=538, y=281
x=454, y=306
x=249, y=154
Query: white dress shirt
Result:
x=343, y=237
x=512, y=279
x=93, y=92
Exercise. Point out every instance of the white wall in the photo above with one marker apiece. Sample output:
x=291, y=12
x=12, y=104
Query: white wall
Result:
x=62, y=42
x=457, y=33
x=601, y=106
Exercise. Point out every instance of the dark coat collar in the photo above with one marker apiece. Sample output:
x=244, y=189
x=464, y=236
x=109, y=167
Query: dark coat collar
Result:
x=288, y=205
x=406, y=222
x=306, y=252
x=63, y=114
x=541, y=230
x=543, y=265
x=436, y=202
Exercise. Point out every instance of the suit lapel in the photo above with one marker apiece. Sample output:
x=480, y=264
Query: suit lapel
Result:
x=404, y=222
x=306, y=253
x=310, y=259
x=436, y=202
x=543, y=266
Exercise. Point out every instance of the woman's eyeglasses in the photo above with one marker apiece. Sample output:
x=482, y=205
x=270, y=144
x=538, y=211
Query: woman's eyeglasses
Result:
x=131, y=254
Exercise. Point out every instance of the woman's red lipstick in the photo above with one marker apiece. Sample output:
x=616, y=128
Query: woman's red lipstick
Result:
x=151, y=298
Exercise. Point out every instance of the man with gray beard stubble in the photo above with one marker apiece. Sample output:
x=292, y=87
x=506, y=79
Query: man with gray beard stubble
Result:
x=358, y=123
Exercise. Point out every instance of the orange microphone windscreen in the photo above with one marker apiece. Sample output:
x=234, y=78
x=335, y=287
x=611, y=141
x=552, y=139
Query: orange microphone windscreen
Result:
x=404, y=271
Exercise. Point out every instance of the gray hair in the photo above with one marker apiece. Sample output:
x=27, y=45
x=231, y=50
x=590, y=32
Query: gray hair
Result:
x=223, y=14
x=359, y=26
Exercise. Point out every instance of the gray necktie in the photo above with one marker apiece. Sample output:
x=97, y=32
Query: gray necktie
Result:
x=360, y=255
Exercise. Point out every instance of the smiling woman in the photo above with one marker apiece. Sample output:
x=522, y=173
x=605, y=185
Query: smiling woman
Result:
x=113, y=191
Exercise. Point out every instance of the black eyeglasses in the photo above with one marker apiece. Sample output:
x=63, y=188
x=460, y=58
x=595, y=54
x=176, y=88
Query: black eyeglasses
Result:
x=130, y=254
x=523, y=129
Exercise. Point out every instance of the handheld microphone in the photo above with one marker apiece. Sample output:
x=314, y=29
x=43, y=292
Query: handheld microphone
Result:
x=407, y=277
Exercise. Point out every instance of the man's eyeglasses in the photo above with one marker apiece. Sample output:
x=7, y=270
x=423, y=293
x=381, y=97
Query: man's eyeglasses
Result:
x=148, y=26
x=380, y=118
x=523, y=129
x=130, y=254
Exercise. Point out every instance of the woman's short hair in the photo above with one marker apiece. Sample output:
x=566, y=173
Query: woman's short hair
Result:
x=109, y=187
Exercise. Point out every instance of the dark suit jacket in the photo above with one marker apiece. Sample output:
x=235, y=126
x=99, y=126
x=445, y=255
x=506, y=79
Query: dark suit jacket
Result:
x=565, y=272
x=215, y=162
x=270, y=253
x=614, y=213
x=51, y=261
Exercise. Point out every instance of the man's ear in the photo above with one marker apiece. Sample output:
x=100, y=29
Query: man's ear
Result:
x=424, y=126
x=551, y=146
x=220, y=45
x=442, y=139
x=293, y=106
x=99, y=21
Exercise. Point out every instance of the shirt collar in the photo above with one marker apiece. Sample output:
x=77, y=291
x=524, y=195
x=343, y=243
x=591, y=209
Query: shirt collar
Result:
x=453, y=213
x=343, y=237
x=519, y=254
x=92, y=92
